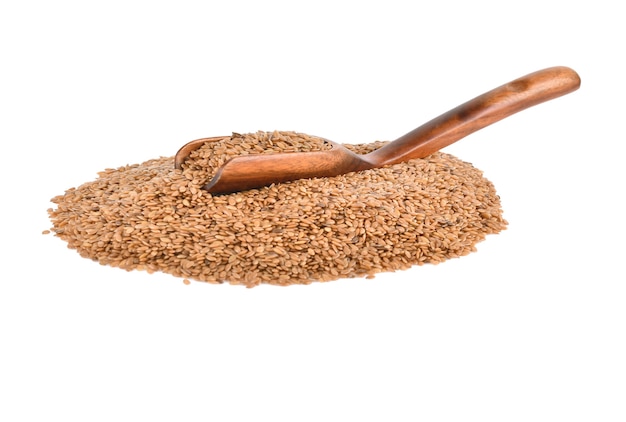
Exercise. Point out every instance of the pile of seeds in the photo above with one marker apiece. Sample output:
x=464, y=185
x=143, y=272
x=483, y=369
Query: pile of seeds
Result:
x=152, y=217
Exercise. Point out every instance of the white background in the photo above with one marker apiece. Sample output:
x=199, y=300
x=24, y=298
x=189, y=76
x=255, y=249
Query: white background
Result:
x=532, y=327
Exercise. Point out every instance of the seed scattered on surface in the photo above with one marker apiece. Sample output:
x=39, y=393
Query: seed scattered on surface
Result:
x=152, y=217
x=187, y=282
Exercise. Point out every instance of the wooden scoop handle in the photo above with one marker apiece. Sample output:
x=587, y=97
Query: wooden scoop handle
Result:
x=478, y=113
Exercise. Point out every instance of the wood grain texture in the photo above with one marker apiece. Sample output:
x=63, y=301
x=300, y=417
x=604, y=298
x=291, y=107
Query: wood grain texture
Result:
x=253, y=171
x=478, y=113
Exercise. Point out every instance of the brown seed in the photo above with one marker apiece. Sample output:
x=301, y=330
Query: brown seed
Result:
x=152, y=217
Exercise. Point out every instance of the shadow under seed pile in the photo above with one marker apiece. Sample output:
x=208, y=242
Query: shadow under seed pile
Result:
x=152, y=217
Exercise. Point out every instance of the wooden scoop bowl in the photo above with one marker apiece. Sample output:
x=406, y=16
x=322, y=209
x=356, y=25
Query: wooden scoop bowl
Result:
x=257, y=170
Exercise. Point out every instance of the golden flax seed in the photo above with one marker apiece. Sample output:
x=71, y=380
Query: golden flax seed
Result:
x=152, y=217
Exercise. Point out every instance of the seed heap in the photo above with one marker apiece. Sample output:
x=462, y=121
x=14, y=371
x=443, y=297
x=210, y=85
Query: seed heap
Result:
x=152, y=217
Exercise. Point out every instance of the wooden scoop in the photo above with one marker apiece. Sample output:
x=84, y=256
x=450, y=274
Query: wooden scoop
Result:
x=257, y=170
